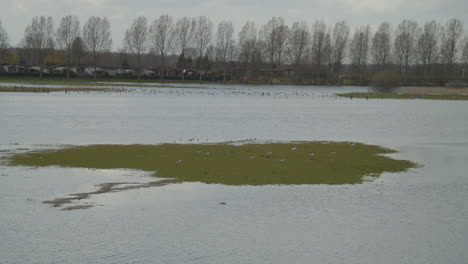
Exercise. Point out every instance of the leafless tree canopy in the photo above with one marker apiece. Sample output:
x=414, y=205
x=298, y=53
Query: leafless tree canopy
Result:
x=451, y=41
x=340, y=39
x=359, y=49
x=428, y=45
x=428, y=53
x=183, y=34
x=274, y=35
x=225, y=40
x=39, y=38
x=381, y=45
x=161, y=36
x=406, y=36
x=97, y=37
x=319, y=38
x=298, y=42
x=136, y=40
x=3, y=38
x=465, y=52
x=248, y=38
x=78, y=50
x=224, y=43
x=3, y=41
x=202, y=34
x=67, y=32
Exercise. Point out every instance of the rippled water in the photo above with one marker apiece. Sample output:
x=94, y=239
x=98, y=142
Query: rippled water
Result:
x=414, y=217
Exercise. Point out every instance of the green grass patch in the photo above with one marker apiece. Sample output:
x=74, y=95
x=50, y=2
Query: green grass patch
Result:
x=404, y=96
x=248, y=164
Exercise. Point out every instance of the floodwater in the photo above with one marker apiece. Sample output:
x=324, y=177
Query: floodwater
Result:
x=420, y=216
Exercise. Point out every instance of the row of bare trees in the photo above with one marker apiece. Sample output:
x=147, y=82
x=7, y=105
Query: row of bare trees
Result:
x=323, y=48
x=41, y=38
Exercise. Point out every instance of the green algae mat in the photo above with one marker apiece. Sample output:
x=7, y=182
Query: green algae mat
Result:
x=247, y=164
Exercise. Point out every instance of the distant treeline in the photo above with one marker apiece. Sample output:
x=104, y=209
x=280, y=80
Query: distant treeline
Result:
x=431, y=53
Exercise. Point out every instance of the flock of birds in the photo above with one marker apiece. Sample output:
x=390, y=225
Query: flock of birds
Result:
x=284, y=93
x=268, y=154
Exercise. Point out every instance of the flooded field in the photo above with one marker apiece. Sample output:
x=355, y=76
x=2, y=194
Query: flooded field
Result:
x=414, y=217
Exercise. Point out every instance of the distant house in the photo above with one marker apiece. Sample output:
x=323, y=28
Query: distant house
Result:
x=100, y=72
x=78, y=71
x=34, y=69
x=125, y=72
x=149, y=73
x=60, y=70
x=191, y=73
x=14, y=68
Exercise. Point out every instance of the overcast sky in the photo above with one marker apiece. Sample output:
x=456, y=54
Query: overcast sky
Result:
x=16, y=14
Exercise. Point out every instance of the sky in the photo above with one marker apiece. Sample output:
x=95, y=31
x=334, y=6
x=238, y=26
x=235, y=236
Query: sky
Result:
x=17, y=14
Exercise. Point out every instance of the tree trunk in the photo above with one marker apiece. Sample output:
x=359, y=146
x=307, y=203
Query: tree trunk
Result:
x=162, y=67
x=139, y=68
x=68, y=67
x=95, y=67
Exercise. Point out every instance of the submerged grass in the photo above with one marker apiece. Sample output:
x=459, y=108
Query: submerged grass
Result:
x=248, y=164
x=404, y=96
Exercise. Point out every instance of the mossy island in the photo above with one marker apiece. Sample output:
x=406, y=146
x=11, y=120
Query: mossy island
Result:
x=315, y=162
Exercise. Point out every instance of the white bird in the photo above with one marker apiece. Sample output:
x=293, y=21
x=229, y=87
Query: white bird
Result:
x=252, y=157
x=269, y=153
x=293, y=148
x=312, y=154
x=179, y=161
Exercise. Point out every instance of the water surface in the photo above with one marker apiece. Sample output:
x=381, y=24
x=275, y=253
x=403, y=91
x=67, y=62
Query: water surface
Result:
x=414, y=217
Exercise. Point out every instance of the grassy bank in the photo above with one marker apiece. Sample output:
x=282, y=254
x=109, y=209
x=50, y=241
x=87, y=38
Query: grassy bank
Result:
x=249, y=164
x=404, y=96
x=113, y=82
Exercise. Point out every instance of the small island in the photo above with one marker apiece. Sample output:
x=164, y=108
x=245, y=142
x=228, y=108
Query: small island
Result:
x=316, y=162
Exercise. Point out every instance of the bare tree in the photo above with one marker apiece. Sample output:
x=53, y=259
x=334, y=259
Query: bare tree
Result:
x=427, y=48
x=319, y=32
x=328, y=54
x=381, y=45
x=299, y=40
x=406, y=36
x=359, y=50
x=340, y=39
x=451, y=41
x=78, y=50
x=465, y=56
x=274, y=36
x=3, y=40
x=247, y=43
x=67, y=32
x=39, y=39
x=202, y=34
x=225, y=43
x=160, y=34
x=136, y=40
x=183, y=34
x=97, y=37
x=282, y=33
